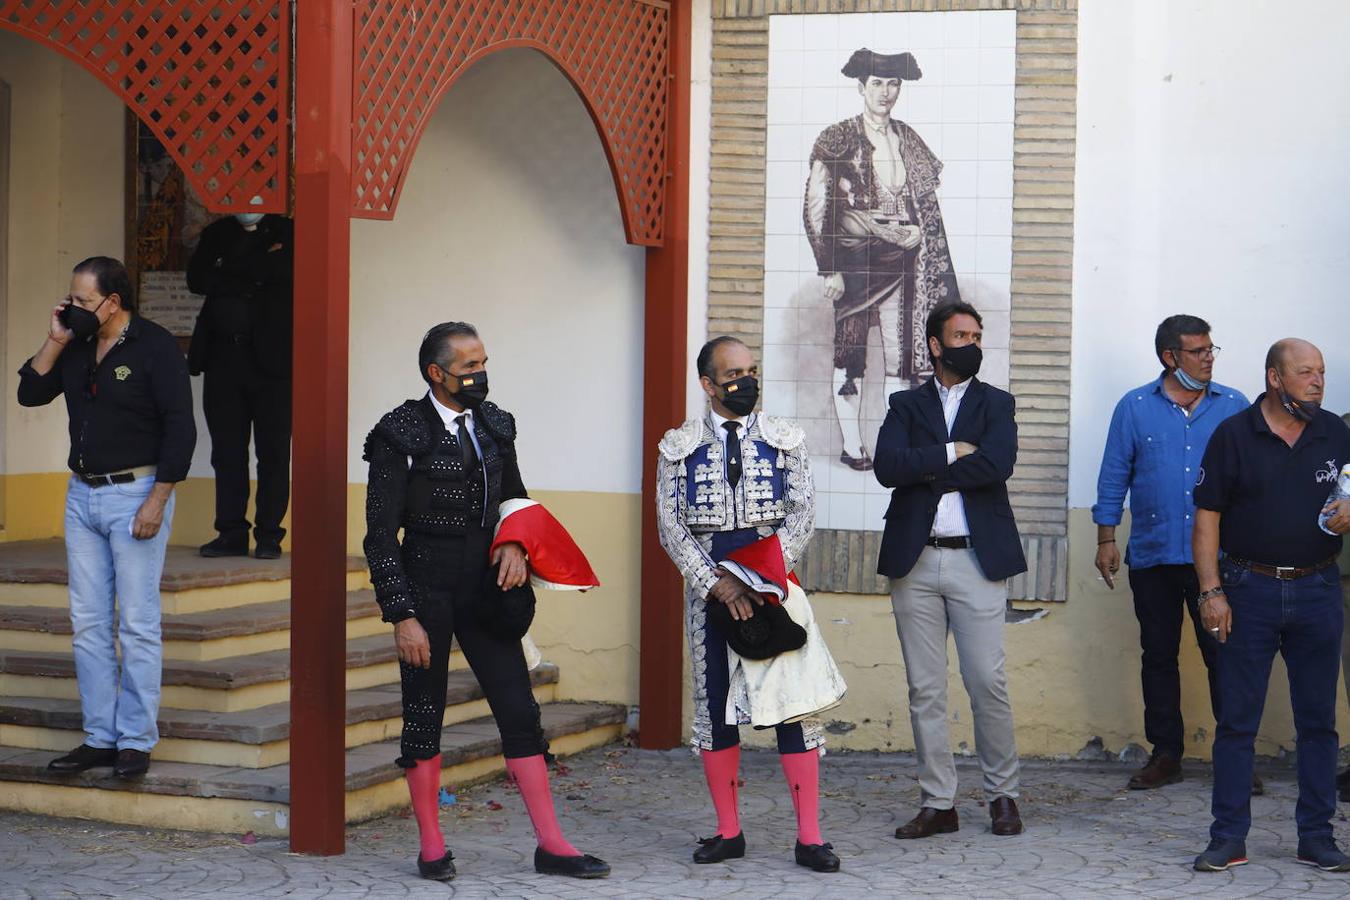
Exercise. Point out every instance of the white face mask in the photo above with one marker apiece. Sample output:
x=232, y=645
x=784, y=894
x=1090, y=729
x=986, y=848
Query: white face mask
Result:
x=248, y=220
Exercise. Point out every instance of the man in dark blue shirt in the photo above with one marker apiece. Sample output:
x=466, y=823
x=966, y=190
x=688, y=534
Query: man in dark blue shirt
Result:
x=1157, y=438
x=1263, y=483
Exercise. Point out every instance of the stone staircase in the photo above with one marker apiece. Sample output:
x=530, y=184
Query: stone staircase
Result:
x=222, y=760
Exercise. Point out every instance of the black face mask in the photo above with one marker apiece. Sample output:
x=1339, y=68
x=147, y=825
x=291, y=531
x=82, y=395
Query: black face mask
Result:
x=963, y=362
x=1303, y=410
x=469, y=391
x=84, y=323
x=741, y=395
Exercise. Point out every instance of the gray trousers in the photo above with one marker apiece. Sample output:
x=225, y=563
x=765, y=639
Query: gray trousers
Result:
x=947, y=592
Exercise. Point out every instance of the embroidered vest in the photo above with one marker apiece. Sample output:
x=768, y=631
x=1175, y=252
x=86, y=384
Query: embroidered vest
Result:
x=443, y=499
x=759, y=498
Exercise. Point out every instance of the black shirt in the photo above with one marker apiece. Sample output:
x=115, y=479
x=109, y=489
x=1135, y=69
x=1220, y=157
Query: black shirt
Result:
x=132, y=409
x=1269, y=493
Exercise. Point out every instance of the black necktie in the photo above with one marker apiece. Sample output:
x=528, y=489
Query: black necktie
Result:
x=466, y=444
x=733, y=452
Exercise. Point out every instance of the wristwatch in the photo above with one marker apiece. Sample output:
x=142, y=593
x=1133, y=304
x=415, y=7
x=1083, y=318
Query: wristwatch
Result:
x=1211, y=593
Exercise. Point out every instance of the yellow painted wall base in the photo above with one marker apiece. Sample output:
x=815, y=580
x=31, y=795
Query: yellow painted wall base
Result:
x=35, y=506
x=1072, y=676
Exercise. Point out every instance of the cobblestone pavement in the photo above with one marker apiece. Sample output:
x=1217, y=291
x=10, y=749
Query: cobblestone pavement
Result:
x=641, y=810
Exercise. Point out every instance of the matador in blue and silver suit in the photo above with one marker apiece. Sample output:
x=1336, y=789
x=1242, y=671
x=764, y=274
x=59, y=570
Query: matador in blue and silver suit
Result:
x=702, y=518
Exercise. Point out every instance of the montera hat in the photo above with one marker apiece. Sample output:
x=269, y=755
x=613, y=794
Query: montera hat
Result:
x=864, y=64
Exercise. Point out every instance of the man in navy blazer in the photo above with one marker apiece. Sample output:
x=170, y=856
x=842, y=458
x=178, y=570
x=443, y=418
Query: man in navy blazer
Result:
x=947, y=449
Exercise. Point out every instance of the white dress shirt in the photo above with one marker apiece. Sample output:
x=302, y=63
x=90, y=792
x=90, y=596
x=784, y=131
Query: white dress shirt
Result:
x=743, y=421
x=950, y=520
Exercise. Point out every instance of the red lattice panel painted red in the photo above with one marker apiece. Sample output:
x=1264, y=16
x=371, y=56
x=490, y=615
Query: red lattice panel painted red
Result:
x=409, y=52
x=209, y=78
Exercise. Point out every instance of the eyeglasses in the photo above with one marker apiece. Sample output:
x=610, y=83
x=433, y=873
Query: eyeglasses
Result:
x=1200, y=352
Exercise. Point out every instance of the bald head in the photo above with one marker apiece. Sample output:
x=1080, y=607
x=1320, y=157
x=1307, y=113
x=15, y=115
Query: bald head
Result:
x=1280, y=352
x=1295, y=366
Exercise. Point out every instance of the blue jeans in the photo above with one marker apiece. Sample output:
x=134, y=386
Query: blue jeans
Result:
x=1301, y=619
x=114, y=579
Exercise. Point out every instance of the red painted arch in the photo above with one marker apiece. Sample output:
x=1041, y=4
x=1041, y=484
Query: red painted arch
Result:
x=613, y=52
x=211, y=81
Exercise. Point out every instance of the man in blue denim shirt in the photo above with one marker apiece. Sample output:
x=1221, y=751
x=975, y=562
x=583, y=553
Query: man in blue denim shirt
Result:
x=1158, y=436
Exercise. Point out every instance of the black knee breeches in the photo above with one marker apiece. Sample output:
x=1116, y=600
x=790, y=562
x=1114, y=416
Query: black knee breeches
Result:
x=446, y=576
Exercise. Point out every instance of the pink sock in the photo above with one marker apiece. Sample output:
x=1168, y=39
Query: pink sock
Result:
x=424, y=784
x=530, y=774
x=803, y=775
x=722, y=768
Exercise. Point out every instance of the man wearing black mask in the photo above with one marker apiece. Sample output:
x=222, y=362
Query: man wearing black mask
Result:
x=439, y=468
x=947, y=449
x=726, y=480
x=242, y=345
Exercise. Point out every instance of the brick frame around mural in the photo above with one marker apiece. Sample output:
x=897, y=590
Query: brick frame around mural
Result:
x=1042, y=262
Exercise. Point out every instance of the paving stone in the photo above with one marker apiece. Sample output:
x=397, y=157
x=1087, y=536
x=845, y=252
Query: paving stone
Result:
x=641, y=810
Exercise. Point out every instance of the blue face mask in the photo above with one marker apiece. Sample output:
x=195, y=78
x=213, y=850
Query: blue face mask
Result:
x=248, y=220
x=1188, y=382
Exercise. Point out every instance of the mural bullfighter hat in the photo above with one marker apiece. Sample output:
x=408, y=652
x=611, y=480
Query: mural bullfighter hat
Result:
x=865, y=64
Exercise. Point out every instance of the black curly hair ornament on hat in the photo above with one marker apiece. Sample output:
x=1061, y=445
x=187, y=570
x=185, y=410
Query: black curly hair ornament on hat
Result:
x=864, y=64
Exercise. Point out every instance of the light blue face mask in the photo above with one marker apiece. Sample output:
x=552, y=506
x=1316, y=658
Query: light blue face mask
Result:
x=1188, y=382
x=248, y=220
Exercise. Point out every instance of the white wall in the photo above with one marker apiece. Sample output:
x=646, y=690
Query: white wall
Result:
x=65, y=203
x=509, y=219
x=700, y=197
x=1213, y=178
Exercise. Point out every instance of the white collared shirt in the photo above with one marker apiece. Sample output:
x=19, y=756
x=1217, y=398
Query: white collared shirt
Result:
x=717, y=421
x=950, y=520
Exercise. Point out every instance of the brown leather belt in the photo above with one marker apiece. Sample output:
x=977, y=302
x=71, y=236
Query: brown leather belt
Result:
x=1283, y=573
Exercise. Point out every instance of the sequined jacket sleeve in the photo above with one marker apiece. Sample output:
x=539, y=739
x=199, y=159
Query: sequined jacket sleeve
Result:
x=680, y=544
x=385, y=492
x=795, y=532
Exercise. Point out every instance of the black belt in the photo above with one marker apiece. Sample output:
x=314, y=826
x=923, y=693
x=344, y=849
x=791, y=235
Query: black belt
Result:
x=1283, y=573
x=951, y=543
x=124, y=477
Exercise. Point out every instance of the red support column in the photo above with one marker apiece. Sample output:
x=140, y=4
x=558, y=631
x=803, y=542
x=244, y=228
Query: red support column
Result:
x=323, y=141
x=666, y=375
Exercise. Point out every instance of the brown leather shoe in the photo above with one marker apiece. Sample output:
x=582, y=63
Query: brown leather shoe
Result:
x=1005, y=817
x=927, y=823
x=1161, y=769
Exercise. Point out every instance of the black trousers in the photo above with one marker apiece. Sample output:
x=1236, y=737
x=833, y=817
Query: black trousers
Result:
x=1161, y=594
x=239, y=401
x=446, y=577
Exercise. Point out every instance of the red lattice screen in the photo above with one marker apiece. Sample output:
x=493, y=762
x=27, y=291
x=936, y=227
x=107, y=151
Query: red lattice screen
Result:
x=615, y=52
x=209, y=78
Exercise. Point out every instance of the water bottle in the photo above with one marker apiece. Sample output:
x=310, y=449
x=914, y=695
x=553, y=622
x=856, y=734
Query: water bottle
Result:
x=1340, y=492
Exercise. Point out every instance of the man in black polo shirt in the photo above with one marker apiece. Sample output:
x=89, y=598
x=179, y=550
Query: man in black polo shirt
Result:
x=131, y=439
x=1264, y=480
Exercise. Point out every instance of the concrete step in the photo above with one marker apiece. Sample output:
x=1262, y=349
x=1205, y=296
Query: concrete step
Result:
x=33, y=573
x=254, y=738
x=228, y=799
x=223, y=685
x=201, y=636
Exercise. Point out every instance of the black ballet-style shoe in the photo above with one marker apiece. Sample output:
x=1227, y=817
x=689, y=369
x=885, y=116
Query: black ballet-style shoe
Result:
x=584, y=866
x=717, y=849
x=817, y=857
x=442, y=869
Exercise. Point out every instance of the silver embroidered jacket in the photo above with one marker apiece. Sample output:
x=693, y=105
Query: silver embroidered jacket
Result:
x=694, y=500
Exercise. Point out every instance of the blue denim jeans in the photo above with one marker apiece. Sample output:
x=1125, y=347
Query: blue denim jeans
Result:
x=1300, y=619
x=114, y=579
